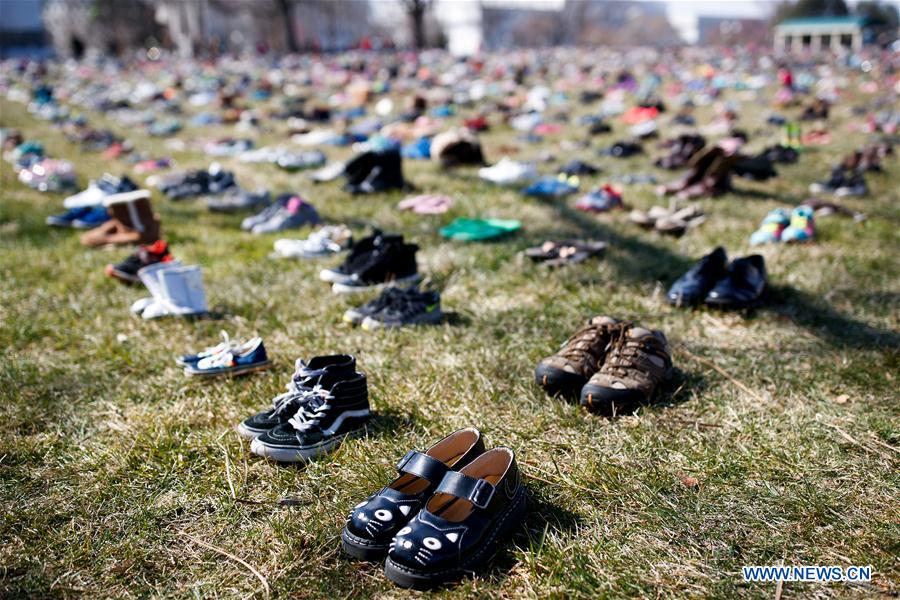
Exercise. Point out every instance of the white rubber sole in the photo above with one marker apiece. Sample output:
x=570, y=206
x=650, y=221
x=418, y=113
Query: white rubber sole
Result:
x=305, y=454
x=432, y=318
x=247, y=433
x=345, y=288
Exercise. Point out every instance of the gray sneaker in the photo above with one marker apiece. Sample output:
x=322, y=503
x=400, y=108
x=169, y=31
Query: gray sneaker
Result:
x=267, y=213
x=237, y=199
x=296, y=213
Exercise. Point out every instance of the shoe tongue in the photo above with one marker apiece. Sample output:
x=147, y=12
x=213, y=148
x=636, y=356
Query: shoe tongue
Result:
x=639, y=332
x=602, y=320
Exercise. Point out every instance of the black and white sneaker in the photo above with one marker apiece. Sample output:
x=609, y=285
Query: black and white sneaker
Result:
x=393, y=263
x=412, y=308
x=360, y=254
x=308, y=381
x=358, y=314
x=854, y=186
x=320, y=424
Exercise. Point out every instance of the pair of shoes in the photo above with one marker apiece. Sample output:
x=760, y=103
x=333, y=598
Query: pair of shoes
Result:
x=445, y=514
x=578, y=167
x=841, y=184
x=326, y=401
x=553, y=187
x=427, y=204
x=96, y=191
x=127, y=270
x=326, y=241
x=131, y=221
x=398, y=307
x=375, y=171
x=779, y=227
x=84, y=217
x=378, y=261
x=49, y=175
x=478, y=230
x=229, y=358
x=508, y=172
x=615, y=366
x=602, y=199
x=289, y=211
x=237, y=198
x=176, y=291
x=557, y=254
x=672, y=221
x=715, y=281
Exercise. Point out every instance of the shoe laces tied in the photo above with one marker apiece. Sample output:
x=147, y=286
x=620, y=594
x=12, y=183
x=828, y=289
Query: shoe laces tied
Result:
x=296, y=393
x=309, y=414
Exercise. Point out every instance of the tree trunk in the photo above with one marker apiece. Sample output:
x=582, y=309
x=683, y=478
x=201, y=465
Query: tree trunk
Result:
x=416, y=10
x=287, y=16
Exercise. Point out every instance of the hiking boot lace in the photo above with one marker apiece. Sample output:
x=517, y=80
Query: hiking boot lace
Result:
x=585, y=342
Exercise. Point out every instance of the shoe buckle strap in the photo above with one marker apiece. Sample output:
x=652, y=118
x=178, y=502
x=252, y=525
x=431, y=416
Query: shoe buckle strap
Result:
x=477, y=491
x=421, y=465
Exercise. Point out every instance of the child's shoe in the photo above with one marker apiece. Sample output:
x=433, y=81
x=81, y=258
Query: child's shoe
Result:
x=802, y=227
x=771, y=229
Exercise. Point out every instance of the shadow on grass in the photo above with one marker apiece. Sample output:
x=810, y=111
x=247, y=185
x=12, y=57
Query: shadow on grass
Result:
x=819, y=318
x=638, y=261
x=542, y=518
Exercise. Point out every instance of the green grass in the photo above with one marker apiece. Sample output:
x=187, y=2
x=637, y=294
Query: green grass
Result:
x=119, y=477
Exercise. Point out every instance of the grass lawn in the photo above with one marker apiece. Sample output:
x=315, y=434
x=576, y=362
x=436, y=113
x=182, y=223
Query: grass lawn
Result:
x=778, y=443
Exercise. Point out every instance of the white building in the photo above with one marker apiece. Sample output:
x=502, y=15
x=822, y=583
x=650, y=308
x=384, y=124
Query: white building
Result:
x=818, y=33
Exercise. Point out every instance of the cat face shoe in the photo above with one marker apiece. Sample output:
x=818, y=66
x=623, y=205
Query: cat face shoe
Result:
x=461, y=526
x=374, y=522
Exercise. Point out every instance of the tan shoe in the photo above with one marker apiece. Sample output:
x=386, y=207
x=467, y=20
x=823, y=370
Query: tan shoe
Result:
x=637, y=362
x=578, y=359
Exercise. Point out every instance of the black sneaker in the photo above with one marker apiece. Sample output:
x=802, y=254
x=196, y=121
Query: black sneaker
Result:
x=357, y=315
x=320, y=373
x=836, y=180
x=393, y=263
x=320, y=423
x=360, y=253
x=126, y=271
x=412, y=308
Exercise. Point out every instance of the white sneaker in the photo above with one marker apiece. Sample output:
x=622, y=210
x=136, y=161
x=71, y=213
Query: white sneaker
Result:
x=183, y=287
x=323, y=242
x=508, y=172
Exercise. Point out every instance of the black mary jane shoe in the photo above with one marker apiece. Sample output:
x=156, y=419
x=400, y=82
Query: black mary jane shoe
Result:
x=374, y=521
x=462, y=525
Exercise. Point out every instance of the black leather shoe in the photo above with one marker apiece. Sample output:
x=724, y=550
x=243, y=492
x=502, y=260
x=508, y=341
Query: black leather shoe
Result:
x=461, y=525
x=692, y=287
x=374, y=521
x=743, y=284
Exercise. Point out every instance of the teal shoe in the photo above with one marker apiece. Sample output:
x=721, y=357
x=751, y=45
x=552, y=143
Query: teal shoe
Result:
x=802, y=227
x=772, y=228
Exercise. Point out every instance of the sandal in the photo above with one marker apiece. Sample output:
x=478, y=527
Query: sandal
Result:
x=374, y=521
x=461, y=525
x=561, y=253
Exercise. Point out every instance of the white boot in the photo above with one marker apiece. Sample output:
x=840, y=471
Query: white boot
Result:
x=149, y=275
x=183, y=288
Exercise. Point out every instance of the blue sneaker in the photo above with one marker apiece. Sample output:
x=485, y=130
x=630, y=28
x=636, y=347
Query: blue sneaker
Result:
x=67, y=218
x=418, y=150
x=552, y=187
x=93, y=217
x=227, y=344
x=248, y=358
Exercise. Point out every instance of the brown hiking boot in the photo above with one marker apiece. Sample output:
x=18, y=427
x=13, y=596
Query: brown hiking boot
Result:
x=578, y=358
x=637, y=361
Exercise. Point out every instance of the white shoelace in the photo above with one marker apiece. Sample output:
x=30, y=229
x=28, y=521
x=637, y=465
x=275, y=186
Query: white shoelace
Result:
x=220, y=359
x=308, y=416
